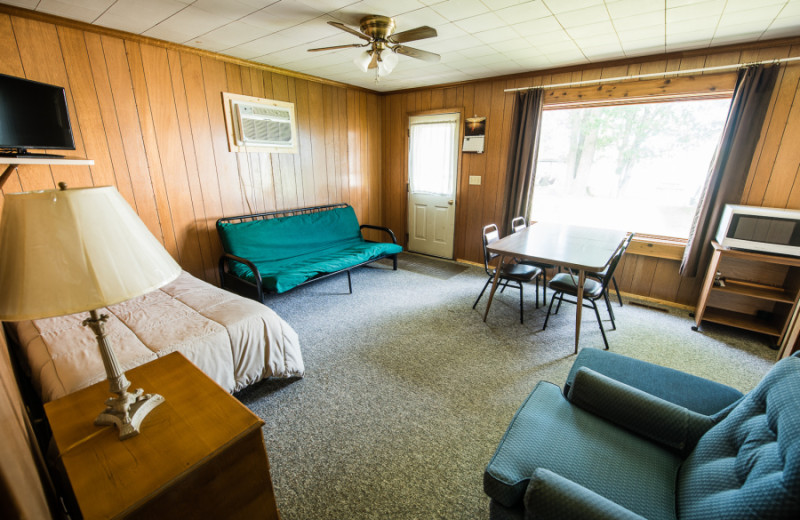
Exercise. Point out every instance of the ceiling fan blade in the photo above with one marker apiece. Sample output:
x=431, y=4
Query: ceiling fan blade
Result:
x=420, y=33
x=417, y=53
x=340, y=25
x=374, y=62
x=337, y=47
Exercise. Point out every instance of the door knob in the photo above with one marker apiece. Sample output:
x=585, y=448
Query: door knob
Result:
x=450, y=202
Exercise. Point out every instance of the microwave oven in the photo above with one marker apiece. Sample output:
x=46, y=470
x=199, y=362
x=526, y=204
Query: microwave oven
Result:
x=753, y=228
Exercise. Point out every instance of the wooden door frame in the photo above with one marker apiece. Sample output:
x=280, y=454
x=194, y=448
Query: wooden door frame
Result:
x=457, y=196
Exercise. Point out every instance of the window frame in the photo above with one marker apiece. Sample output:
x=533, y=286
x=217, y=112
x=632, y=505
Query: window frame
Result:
x=629, y=92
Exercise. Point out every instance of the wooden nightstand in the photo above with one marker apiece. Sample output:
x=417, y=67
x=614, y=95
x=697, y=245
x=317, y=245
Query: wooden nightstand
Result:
x=200, y=454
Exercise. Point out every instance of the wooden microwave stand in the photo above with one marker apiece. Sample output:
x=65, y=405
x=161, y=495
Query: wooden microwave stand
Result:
x=758, y=292
x=200, y=454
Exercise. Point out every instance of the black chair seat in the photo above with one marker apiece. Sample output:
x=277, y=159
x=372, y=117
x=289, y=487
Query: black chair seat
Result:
x=565, y=282
x=520, y=272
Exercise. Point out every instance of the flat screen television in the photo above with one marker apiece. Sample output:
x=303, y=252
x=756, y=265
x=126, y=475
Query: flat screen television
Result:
x=34, y=116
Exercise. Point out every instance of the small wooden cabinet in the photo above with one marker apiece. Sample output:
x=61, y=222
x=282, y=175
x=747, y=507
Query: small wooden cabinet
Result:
x=751, y=291
x=200, y=454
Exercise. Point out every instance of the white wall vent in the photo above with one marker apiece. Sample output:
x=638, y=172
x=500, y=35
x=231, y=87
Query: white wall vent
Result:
x=259, y=125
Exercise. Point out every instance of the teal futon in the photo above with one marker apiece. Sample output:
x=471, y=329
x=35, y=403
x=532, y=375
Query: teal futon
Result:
x=278, y=251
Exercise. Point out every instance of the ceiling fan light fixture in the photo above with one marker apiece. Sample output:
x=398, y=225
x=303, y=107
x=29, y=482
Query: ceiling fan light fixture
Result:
x=387, y=62
x=362, y=60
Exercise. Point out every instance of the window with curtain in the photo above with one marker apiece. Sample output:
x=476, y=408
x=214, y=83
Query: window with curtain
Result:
x=637, y=167
x=430, y=136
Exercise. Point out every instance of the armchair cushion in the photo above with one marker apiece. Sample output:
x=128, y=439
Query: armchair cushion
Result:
x=687, y=390
x=552, y=496
x=625, y=468
x=662, y=421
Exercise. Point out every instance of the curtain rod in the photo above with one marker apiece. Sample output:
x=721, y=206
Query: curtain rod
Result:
x=653, y=75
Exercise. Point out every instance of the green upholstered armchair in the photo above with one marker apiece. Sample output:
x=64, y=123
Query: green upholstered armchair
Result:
x=634, y=449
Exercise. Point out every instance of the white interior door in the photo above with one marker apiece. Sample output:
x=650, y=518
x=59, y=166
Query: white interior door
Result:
x=432, y=171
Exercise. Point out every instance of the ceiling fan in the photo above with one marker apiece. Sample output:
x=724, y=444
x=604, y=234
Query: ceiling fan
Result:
x=378, y=32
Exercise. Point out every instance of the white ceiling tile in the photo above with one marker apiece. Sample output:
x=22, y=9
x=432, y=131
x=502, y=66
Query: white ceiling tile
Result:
x=523, y=54
x=83, y=10
x=440, y=46
x=695, y=24
x=728, y=39
x=744, y=5
x=644, y=50
x=542, y=25
x=26, y=4
x=493, y=35
x=792, y=8
x=480, y=50
x=700, y=37
x=550, y=37
x=523, y=12
x=696, y=10
x=639, y=20
x=186, y=24
x=231, y=9
x=623, y=8
x=137, y=16
x=582, y=17
x=643, y=33
x=450, y=30
x=511, y=45
x=229, y=35
x=739, y=30
x=766, y=13
x=282, y=15
x=561, y=6
x=557, y=47
x=482, y=22
x=595, y=29
x=420, y=17
x=459, y=9
x=783, y=22
x=566, y=58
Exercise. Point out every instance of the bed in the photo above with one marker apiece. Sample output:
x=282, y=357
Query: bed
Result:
x=234, y=340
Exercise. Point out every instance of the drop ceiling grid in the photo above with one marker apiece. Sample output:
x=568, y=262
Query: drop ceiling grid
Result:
x=477, y=38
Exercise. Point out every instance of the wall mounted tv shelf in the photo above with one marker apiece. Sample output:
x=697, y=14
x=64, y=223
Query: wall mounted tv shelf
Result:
x=14, y=162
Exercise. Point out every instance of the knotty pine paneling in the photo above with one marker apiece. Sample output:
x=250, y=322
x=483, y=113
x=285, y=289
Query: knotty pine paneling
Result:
x=771, y=180
x=151, y=118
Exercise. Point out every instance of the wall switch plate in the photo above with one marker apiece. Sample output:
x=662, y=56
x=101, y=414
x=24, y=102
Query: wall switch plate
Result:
x=475, y=180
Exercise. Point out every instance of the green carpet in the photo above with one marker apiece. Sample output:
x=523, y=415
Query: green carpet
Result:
x=407, y=391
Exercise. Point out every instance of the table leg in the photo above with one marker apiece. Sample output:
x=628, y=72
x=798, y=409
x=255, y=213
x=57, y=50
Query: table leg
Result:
x=579, y=308
x=494, y=286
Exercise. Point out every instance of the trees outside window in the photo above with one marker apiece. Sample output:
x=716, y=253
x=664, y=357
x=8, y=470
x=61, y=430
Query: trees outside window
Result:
x=637, y=167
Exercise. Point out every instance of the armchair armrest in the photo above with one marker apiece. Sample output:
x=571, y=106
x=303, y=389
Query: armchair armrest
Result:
x=551, y=496
x=650, y=416
x=381, y=228
x=250, y=265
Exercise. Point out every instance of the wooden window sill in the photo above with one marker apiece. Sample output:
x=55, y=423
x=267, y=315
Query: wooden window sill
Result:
x=658, y=247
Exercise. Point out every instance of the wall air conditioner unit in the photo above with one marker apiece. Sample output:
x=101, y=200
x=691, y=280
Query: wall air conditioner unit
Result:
x=259, y=125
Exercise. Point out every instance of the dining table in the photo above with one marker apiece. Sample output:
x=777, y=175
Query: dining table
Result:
x=579, y=249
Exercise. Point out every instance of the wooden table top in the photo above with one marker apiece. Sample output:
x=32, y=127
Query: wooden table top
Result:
x=573, y=247
x=197, y=419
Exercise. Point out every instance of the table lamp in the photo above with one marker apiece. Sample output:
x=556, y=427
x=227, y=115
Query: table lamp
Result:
x=74, y=250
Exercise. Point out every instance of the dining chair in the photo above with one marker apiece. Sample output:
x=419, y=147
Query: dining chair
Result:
x=593, y=290
x=517, y=225
x=599, y=275
x=516, y=273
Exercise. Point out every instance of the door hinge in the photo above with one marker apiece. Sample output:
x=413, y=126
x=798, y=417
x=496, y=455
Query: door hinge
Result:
x=408, y=189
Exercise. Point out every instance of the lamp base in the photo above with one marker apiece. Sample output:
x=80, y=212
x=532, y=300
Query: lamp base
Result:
x=127, y=410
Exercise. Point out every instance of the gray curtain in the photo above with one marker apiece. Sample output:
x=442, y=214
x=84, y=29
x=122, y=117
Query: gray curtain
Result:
x=526, y=126
x=728, y=172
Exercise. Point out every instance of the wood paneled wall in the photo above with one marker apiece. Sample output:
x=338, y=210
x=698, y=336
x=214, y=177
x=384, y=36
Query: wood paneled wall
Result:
x=151, y=117
x=771, y=179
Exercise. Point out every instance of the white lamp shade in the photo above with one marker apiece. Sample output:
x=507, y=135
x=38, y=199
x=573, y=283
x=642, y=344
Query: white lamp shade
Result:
x=387, y=63
x=363, y=60
x=74, y=250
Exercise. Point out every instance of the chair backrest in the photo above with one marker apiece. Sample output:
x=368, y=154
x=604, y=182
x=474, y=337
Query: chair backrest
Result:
x=518, y=224
x=612, y=266
x=490, y=234
x=748, y=465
